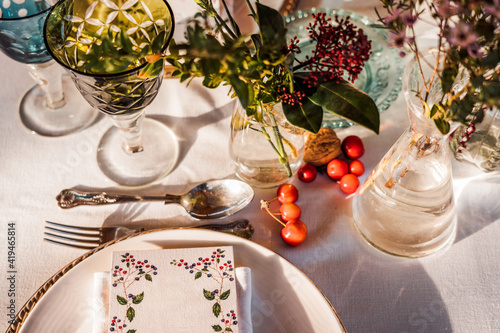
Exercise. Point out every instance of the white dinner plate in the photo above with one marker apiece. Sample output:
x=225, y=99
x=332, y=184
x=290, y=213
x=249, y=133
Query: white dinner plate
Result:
x=283, y=298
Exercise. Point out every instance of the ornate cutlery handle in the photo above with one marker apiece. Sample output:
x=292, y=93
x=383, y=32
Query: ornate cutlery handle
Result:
x=71, y=198
x=242, y=228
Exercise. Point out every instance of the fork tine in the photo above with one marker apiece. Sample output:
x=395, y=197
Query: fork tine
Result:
x=83, y=247
x=73, y=227
x=80, y=240
x=83, y=234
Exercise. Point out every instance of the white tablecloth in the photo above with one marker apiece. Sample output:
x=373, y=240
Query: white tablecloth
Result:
x=454, y=291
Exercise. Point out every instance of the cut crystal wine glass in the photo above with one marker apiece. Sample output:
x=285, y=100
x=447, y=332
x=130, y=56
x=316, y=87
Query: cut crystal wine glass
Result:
x=111, y=50
x=46, y=109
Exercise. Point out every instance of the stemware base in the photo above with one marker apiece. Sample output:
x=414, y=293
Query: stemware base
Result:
x=157, y=158
x=75, y=114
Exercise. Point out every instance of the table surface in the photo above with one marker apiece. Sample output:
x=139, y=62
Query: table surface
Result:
x=453, y=291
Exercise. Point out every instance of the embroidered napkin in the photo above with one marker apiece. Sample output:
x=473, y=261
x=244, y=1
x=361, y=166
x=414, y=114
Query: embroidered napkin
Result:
x=174, y=290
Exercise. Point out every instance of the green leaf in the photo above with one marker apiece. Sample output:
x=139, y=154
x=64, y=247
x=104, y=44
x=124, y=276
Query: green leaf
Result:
x=217, y=328
x=138, y=298
x=243, y=91
x=225, y=294
x=228, y=329
x=257, y=41
x=448, y=77
x=442, y=125
x=208, y=295
x=308, y=116
x=148, y=277
x=131, y=331
x=349, y=102
x=130, y=314
x=121, y=300
x=198, y=275
x=216, y=309
x=437, y=110
x=271, y=23
x=158, y=43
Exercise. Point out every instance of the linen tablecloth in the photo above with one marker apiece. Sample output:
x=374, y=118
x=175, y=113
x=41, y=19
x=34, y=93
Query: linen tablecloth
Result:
x=454, y=291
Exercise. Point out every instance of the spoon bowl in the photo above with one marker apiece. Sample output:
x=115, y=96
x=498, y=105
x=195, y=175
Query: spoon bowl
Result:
x=216, y=199
x=213, y=199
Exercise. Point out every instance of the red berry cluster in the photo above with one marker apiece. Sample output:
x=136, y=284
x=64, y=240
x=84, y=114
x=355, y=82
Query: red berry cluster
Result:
x=346, y=174
x=340, y=48
x=294, y=231
x=465, y=137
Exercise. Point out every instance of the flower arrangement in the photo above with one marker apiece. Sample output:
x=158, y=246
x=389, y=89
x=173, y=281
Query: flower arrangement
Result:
x=467, y=44
x=262, y=69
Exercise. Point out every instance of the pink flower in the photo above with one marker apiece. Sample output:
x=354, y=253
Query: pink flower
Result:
x=398, y=39
x=462, y=35
x=446, y=9
x=475, y=51
x=394, y=16
x=493, y=10
x=409, y=19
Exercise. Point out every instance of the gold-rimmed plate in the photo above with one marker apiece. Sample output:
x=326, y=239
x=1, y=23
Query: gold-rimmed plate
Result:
x=284, y=299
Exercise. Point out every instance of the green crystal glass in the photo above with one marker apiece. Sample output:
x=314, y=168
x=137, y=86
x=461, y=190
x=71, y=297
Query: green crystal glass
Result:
x=105, y=46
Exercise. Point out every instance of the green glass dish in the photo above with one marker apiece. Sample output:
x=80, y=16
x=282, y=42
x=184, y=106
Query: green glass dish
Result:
x=382, y=75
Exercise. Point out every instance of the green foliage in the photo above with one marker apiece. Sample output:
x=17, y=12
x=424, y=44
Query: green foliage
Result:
x=258, y=71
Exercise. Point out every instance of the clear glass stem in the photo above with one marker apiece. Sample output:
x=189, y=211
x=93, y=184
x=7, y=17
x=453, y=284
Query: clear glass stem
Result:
x=48, y=76
x=130, y=129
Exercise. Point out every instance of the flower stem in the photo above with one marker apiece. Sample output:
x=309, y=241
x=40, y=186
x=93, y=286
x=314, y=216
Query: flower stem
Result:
x=280, y=149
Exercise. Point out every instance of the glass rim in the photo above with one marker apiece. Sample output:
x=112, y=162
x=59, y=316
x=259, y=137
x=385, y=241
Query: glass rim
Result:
x=124, y=73
x=6, y=19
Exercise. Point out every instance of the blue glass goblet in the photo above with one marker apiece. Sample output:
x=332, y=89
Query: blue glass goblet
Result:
x=45, y=109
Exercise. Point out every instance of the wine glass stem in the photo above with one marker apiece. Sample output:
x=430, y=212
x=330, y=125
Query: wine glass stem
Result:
x=48, y=76
x=130, y=128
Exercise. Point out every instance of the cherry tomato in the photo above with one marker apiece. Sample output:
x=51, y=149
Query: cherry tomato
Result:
x=294, y=232
x=290, y=211
x=287, y=193
x=336, y=168
x=307, y=173
x=349, y=183
x=353, y=148
x=357, y=168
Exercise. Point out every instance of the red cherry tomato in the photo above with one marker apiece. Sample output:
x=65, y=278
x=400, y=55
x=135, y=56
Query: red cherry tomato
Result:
x=294, y=232
x=307, y=173
x=353, y=148
x=287, y=193
x=290, y=211
x=349, y=183
x=357, y=168
x=336, y=168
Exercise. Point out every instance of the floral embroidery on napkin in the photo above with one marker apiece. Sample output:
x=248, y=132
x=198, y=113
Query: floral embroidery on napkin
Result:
x=134, y=271
x=220, y=270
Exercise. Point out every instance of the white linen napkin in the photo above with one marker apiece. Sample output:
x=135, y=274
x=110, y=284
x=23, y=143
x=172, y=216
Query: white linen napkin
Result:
x=102, y=293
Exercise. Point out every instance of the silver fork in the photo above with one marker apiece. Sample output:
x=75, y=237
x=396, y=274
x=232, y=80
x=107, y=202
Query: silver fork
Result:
x=88, y=238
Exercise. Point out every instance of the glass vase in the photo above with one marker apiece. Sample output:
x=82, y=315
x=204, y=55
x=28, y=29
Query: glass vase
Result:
x=479, y=143
x=406, y=206
x=266, y=149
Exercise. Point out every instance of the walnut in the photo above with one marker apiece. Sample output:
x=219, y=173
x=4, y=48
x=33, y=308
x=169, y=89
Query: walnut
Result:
x=321, y=148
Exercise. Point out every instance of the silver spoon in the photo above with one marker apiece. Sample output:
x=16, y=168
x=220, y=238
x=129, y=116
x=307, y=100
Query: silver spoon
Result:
x=211, y=200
